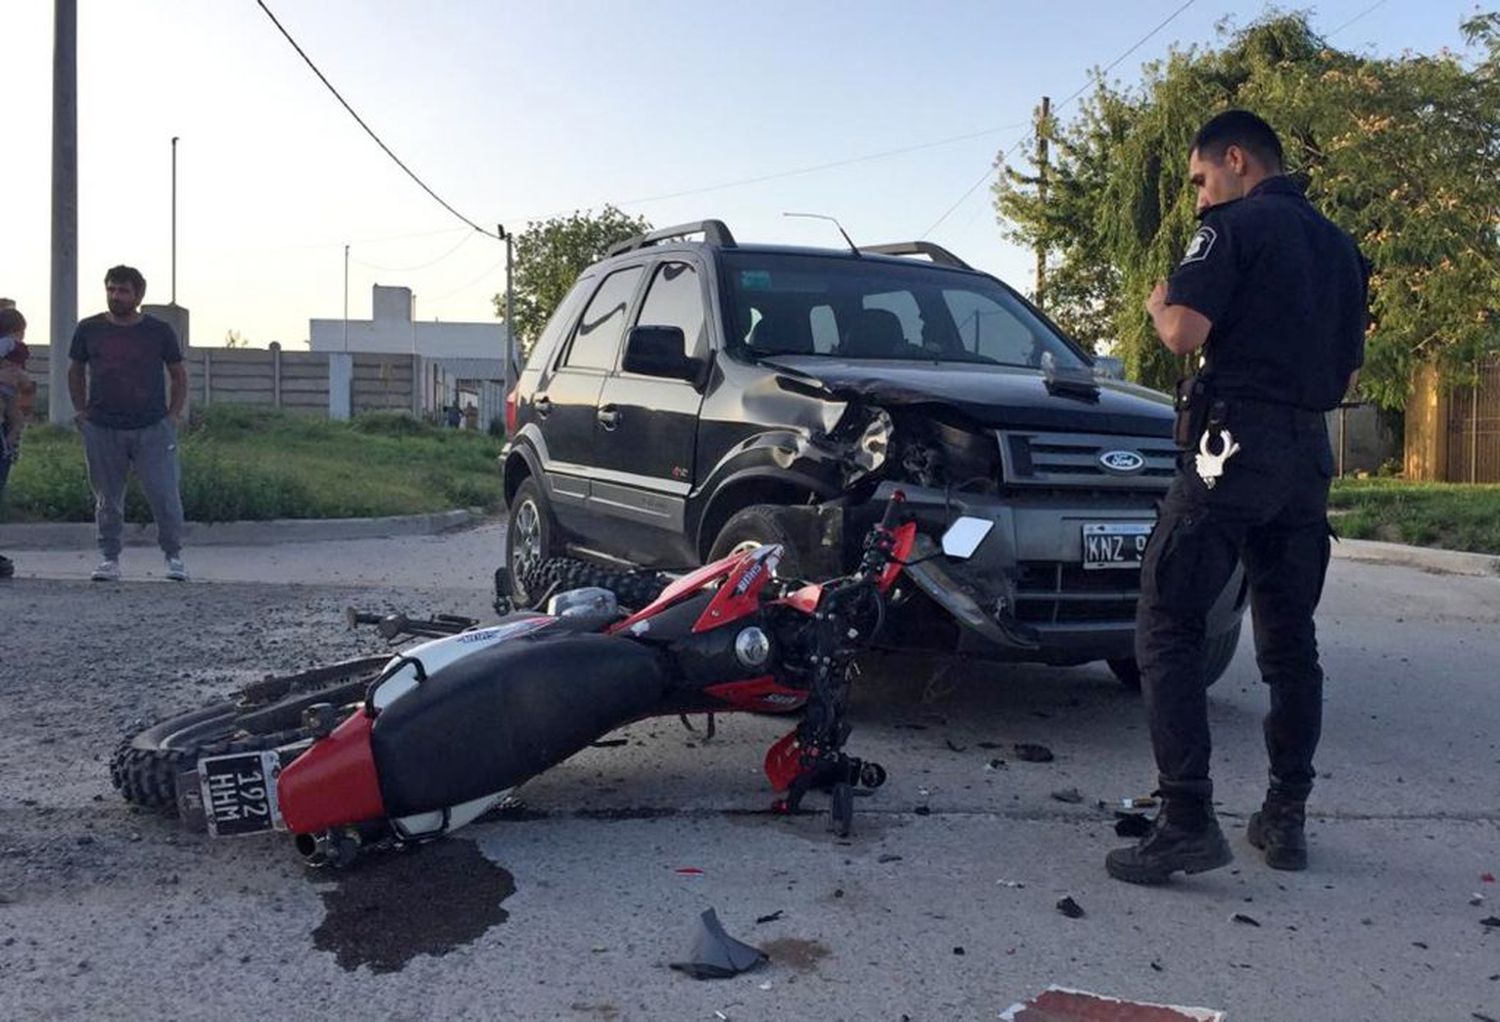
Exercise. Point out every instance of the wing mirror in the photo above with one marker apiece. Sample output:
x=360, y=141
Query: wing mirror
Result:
x=660, y=351
x=964, y=536
x=1108, y=367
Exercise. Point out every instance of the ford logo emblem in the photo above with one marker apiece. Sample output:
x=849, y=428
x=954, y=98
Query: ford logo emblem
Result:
x=1122, y=461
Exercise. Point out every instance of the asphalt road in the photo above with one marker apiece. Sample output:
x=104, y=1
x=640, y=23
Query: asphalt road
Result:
x=940, y=906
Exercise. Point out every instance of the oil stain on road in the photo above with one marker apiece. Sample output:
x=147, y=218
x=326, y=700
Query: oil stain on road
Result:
x=427, y=901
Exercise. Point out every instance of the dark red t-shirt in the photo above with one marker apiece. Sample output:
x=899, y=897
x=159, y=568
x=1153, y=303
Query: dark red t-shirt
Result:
x=127, y=389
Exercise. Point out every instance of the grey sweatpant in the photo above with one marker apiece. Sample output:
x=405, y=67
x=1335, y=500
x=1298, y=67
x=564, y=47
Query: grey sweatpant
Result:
x=152, y=450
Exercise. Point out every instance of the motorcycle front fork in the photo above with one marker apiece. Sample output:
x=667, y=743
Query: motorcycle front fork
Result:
x=837, y=773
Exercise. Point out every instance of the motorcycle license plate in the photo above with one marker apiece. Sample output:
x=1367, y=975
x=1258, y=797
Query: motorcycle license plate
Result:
x=239, y=793
x=1114, y=544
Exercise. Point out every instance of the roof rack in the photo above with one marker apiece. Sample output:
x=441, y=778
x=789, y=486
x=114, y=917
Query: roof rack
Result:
x=937, y=253
x=715, y=232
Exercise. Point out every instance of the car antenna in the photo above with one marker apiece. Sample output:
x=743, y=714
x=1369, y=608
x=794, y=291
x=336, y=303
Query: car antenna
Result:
x=820, y=216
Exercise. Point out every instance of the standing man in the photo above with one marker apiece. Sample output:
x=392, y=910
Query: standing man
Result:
x=126, y=417
x=1275, y=295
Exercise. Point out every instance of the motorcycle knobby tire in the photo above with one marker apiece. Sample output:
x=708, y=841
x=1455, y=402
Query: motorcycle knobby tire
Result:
x=264, y=715
x=633, y=589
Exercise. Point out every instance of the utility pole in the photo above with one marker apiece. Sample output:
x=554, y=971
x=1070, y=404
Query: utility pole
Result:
x=174, y=219
x=64, y=205
x=1041, y=194
x=507, y=371
x=346, y=298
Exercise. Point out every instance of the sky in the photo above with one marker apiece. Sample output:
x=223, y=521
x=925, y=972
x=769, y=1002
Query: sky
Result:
x=515, y=112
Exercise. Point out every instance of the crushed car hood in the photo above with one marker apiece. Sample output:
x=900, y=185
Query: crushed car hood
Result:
x=998, y=396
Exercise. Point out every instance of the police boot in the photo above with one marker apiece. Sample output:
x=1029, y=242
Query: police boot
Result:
x=1277, y=830
x=1185, y=838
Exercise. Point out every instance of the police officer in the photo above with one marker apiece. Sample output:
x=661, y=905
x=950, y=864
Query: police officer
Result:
x=1275, y=296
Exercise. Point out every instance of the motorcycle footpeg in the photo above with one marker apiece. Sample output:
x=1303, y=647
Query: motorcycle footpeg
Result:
x=871, y=775
x=320, y=719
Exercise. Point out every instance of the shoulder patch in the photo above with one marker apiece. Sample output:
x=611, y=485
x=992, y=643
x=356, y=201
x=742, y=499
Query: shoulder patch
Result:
x=1200, y=245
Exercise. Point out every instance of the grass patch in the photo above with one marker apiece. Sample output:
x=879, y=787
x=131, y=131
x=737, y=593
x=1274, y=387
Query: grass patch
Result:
x=241, y=463
x=1454, y=516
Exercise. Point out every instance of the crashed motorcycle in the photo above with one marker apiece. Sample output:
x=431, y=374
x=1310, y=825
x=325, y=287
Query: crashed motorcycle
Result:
x=397, y=750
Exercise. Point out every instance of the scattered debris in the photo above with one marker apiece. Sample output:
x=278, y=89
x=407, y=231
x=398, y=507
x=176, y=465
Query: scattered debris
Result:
x=1016, y=884
x=1070, y=795
x=714, y=954
x=599, y=949
x=1480, y=1016
x=1059, y=1003
x=721, y=1016
x=769, y=918
x=923, y=810
x=1158, y=967
x=1490, y=922
x=1138, y=802
x=1070, y=908
x=610, y=743
x=954, y=746
x=1240, y=917
x=959, y=950
x=764, y=986
x=990, y=745
x=995, y=764
x=1132, y=824
x=1420, y=943
x=688, y=871
x=889, y=857
x=910, y=726
x=1031, y=752
x=1476, y=899
x=1486, y=878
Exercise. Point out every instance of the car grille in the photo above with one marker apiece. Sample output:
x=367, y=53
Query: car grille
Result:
x=1055, y=593
x=1074, y=460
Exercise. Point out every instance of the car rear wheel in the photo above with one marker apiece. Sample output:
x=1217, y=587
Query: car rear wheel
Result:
x=1217, y=655
x=528, y=536
x=758, y=525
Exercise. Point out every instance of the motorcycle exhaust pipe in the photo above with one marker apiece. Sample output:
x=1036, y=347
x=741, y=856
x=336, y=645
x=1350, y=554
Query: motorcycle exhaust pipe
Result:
x=328, y=848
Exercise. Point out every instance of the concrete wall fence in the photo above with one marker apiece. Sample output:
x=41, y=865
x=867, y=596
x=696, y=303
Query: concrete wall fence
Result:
x=336, y=384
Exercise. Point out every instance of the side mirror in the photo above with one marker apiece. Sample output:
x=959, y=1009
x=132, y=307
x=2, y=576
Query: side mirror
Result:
x=660, y=351
x=1108, y=367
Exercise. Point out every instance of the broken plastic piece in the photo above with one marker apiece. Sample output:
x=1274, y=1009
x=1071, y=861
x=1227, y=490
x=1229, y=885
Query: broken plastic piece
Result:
x=1240, y=917
x=1070, y=795
x=1032, y=752
x=1490, y=922
x=1486, y=878
x=1070, y=908
x=688, y=871
x=715, y=954
x=769, y=917
x=1058, y=1003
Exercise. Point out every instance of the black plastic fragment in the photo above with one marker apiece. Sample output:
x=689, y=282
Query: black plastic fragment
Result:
x=717, y=955
x=953, y=746
x=1132, y=824
x=609, y=743
x=1240, y=917
x=1070, y=908
x=1490, y=921
x=1070, y=795
x=769, y=917
x=1032, y=752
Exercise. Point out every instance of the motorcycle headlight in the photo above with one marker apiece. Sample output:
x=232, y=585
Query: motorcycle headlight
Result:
x=752, y=647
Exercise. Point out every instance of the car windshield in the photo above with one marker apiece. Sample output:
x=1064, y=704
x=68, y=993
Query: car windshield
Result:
x=782, y=304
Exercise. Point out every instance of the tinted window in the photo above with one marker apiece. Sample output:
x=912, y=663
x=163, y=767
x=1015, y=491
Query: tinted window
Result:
x=597, y=340
x=675, y=299
x=784, y=304
x=561, y=321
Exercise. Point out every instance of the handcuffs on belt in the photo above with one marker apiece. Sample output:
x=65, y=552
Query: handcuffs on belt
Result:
x=1199, y=414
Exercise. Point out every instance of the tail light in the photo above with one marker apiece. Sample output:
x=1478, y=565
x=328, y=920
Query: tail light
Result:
x=510, y=413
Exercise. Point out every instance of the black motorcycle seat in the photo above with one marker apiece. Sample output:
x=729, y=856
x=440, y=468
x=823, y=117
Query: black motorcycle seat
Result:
x=493, y=719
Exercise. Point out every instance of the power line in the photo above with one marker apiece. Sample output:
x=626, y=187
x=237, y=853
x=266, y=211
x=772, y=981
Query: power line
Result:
x=420, y=266
x=1368, y=10
x=409, y=172
x=1076, y=93
x=468, y=284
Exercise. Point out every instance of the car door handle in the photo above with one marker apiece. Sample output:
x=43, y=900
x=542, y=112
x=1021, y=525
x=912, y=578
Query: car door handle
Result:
x=609, y=417
x=543, y=405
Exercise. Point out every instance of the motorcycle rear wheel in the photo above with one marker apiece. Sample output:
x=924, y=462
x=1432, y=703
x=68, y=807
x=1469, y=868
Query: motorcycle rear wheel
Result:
x=263, y=715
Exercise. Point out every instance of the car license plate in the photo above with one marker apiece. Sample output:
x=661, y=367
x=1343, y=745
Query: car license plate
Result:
x=1115, y=544
x=239, y=793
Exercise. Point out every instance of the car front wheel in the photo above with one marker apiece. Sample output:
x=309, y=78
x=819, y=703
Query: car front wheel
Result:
x=758, y=525
x=1217, y=654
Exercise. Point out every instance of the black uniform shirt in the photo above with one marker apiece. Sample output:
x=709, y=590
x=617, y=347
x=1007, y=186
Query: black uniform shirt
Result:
x=1285, y=290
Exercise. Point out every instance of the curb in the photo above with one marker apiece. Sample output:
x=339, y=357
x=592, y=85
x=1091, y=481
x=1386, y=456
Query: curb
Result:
x=80, y=535
x=1442, y=562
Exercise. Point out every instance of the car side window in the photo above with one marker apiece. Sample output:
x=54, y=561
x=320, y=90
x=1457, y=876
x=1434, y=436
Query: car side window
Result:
x=597, y=339
x=676, y=299
x=561, y=322
x=988, y=329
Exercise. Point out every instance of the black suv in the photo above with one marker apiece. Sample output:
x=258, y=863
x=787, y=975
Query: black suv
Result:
x=689, y=398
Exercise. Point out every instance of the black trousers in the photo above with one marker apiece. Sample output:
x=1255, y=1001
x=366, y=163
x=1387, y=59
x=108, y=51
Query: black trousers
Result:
x=1268, y=511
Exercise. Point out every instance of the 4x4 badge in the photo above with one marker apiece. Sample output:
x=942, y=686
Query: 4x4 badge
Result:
x=1122, y=461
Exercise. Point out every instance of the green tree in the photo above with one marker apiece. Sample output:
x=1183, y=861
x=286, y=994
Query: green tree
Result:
x=549, y=256
x=1403, y=152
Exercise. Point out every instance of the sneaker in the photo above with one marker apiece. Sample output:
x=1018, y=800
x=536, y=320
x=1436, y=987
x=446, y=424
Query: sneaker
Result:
x=1170, y=848
x=1278, y=830
x=108, y=571
x=176, y=570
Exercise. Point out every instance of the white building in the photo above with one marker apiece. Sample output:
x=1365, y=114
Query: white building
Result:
x=466, y=351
